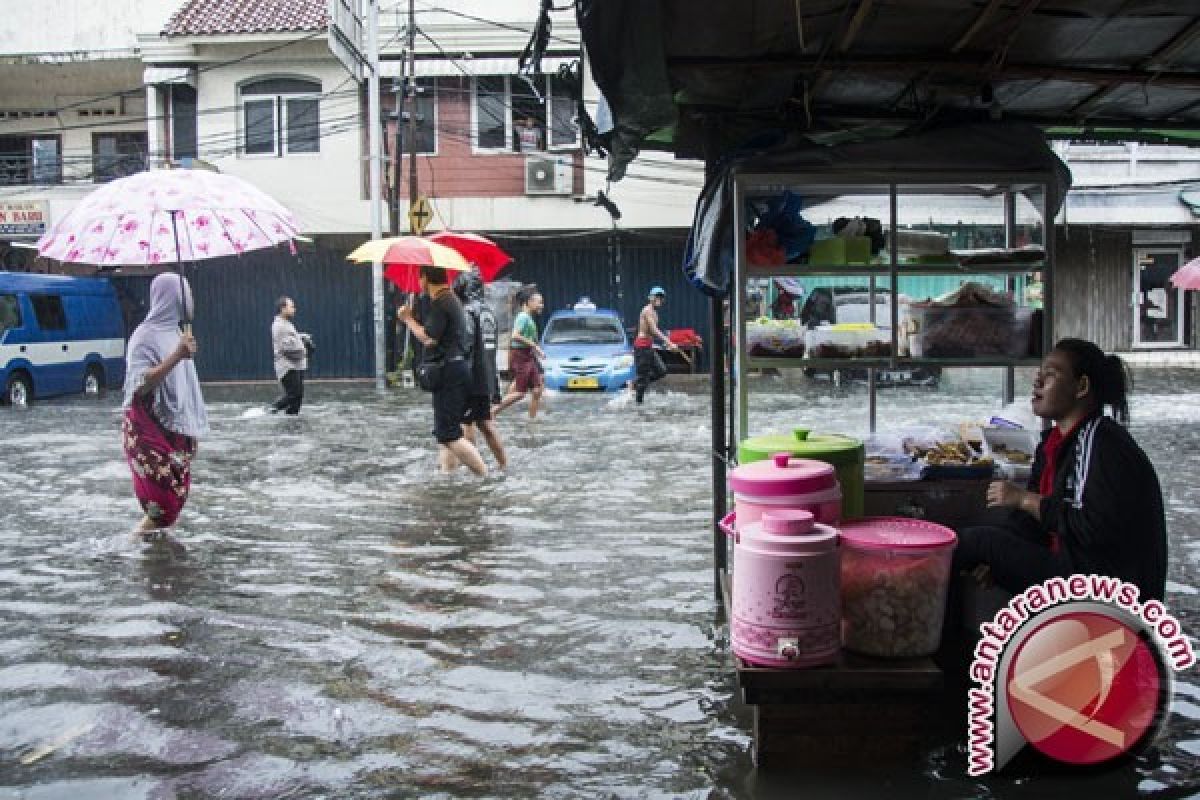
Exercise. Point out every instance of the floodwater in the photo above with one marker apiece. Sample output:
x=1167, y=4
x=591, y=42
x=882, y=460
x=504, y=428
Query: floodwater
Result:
x=334, y=620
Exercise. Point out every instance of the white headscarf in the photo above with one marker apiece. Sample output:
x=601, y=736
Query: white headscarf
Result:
x=178, y=404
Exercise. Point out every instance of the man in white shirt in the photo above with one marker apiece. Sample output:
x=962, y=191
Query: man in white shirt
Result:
x=291, y=357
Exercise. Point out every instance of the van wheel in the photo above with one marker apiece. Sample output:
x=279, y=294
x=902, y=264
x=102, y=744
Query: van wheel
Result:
x=93, y=380
x=19, y=392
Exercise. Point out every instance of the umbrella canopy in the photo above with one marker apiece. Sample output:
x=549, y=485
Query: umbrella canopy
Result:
x=1187, y=276
x=479, y=250
x=163, y=216
x=403, y=256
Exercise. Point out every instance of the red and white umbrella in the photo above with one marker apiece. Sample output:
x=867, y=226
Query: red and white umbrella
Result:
x=1187, y=276
x=403, y=256
x=479, y=250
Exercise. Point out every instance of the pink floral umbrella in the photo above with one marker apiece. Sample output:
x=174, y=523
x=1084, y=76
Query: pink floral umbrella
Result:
x=168, y=216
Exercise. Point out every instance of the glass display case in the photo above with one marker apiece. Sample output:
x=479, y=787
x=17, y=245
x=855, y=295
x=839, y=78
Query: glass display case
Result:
x=891, y=273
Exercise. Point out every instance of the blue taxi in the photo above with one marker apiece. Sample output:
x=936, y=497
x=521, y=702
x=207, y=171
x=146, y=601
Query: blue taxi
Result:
x=587, y=350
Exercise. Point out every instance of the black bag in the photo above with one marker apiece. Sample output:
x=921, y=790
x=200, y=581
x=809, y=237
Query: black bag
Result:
x=429, y=374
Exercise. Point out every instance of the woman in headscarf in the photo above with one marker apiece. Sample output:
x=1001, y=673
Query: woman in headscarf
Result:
x=164, y=410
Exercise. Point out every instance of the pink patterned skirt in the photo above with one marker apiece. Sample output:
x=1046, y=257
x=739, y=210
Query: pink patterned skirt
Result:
x=160, y=460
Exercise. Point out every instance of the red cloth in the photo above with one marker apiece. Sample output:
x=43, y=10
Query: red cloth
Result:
x=160, y=461
x=1051, y=451
x=684, y=337
x=643, y=342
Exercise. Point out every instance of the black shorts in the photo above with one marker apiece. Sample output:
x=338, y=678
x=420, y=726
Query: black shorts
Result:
x=450, y=402
x=479, y=409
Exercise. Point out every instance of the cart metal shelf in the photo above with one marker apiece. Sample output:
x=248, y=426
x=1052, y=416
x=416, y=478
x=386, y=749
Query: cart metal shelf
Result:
x=872, y=190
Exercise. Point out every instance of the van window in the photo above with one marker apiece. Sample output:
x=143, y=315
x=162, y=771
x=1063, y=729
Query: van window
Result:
x=10, y=312
x=48, y=309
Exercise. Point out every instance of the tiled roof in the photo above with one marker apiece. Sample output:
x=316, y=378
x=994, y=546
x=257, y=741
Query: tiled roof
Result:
x=199, y=17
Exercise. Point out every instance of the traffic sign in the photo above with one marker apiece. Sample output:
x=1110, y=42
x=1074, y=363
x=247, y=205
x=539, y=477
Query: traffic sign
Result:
x=419, y=215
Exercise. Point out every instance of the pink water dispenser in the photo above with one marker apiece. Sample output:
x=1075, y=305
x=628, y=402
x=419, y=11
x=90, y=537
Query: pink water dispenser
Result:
x=786, y=608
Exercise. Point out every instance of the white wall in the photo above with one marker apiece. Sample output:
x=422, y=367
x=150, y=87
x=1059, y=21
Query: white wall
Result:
x=75, y=26
x=325, y=189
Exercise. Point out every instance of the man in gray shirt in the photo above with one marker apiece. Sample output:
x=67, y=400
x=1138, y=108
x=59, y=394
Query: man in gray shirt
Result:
x=291, y=357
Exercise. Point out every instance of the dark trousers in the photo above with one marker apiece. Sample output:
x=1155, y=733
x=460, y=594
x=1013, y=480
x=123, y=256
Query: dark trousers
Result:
x=1016, y=550
x=650, y=367
x=1013, y=545
x=293, y=392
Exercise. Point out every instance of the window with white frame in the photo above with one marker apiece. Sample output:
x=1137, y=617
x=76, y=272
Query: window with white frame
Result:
x=280, y=116
x=509, y=114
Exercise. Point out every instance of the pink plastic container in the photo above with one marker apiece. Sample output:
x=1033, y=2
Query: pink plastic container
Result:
x=895, y=572
x=785, y=590
x=782, y=482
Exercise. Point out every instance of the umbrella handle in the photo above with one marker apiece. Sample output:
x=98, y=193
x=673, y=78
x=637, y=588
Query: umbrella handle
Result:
x=183, y=295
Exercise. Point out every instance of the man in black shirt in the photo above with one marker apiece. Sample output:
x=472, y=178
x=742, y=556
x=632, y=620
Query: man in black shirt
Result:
x=444, y=337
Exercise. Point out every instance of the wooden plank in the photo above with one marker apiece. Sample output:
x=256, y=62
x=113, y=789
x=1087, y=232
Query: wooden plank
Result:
x=838, y=735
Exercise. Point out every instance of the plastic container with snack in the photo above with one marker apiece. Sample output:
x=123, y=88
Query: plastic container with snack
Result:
x=895, y=573
x=782, y=338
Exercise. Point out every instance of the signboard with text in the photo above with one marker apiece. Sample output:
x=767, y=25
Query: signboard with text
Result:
x=26, y=218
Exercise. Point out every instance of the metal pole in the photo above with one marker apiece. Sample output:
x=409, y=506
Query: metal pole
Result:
x=1010, y=282
x=375, y=178
x=716, y=367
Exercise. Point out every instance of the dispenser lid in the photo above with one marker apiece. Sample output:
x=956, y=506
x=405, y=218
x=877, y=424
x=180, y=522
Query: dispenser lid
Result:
x=783, y=475
x=788, y=532
x=788, y=521
x=832, y=448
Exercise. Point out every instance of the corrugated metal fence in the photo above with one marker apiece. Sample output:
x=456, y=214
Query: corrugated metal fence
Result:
x=235, y=303
x=235, y=297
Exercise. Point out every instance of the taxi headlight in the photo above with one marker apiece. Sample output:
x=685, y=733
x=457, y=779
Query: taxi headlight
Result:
x=624, y=362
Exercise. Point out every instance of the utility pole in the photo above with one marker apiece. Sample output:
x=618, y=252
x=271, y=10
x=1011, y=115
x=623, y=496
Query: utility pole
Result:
x=412, y=108
x=375, y=180
x=394, y=208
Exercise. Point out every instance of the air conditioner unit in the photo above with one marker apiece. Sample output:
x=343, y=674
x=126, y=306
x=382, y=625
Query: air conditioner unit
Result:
x=547, y=175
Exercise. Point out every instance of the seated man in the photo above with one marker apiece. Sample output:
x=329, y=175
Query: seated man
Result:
x=1093, y=503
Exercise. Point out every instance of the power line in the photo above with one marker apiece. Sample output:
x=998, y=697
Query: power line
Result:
x=495, y=23
x=200, y=69
x=206, y=68
x=468, y=135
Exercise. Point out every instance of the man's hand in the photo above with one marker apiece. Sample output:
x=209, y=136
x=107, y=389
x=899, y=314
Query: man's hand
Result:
x=540, y=353
x=405, y=312
x=1003, y=493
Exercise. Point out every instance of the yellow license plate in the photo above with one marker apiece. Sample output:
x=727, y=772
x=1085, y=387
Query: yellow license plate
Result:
x=583, y=383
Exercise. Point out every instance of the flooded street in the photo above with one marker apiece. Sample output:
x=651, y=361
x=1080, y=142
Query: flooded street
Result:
x=334, y=620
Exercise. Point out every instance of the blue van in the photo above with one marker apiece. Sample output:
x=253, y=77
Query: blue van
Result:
x=58, y=335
